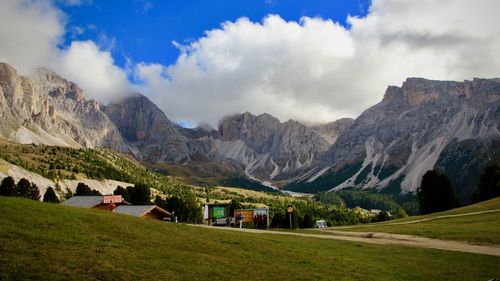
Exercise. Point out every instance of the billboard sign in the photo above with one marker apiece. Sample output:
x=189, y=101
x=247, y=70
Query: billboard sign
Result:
x=218, y=212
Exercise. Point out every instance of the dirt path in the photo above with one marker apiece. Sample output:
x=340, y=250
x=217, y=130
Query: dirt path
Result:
x=383, y=239
x=444, y=216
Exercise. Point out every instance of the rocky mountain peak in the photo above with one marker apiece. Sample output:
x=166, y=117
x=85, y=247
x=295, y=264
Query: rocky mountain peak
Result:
x=145, y=126
x=421, y=125
x=46, y=108
x=7, y=72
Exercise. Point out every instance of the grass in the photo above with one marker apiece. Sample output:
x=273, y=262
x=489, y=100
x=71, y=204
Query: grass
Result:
x=51, y=242
x=480, y=228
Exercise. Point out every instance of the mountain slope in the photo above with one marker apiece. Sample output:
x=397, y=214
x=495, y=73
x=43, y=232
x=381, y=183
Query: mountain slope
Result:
x=415, y=127
x=148, y=130
x=45, y=108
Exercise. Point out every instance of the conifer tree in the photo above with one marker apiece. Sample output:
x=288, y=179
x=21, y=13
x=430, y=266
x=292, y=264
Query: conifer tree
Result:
x=50, y=196
x=435, y=193
x=8, y=187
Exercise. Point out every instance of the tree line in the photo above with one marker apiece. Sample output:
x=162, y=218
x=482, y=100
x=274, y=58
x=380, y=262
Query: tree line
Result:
x=436, y=192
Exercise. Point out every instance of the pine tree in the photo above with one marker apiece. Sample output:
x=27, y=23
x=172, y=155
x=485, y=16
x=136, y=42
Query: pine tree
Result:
x=489, y=184
x=68, y=194
x=435, y=193
x=123, y=192
x=23, y=188
x=82, y=190
x=33, y=192
x=50, y=196
x=8, y=187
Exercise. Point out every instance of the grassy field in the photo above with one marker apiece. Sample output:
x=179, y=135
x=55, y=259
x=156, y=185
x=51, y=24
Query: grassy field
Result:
x=51, y=242
x=480, y=228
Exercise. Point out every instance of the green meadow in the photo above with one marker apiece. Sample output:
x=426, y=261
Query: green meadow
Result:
x=483, y=228
x=42, y=241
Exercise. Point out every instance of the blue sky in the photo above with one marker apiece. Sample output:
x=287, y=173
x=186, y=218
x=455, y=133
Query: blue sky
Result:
x=143, y=30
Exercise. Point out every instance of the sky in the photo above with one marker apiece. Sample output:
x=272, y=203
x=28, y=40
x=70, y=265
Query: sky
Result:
x=311, y=61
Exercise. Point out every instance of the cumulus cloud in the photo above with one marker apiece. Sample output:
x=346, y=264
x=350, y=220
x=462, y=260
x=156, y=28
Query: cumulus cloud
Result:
x=31, y=32
x=316, y=70
x=312, y=70
x=94, y=69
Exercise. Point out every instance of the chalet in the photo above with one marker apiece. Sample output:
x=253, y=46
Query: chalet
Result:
x=143, y=211
x=104, y=202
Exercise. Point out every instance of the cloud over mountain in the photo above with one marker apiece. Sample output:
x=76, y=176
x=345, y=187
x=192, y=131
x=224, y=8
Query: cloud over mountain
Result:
x=318, y=70
x=31, y=33
x=312, y=70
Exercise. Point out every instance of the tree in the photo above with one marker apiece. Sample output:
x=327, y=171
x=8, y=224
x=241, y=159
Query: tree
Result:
x=383, y=216
x=94, y=192
x=50, y=196
x=8, y=187
x=23, y=188
x=489, y=184
x=33, y=192
x=160, y=202
x=435, y=193
x=307, y=222
x=68, y=194
x=123, y=192
x=401, y=213
x=235, y=205
x=140, y=194
x=82, y=190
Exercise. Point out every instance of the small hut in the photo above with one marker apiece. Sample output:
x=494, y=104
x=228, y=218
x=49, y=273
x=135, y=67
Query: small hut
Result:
x=144, y=211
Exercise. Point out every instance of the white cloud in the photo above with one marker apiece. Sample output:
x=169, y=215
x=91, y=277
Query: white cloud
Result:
x=93, y=69
x=316, y=70
x=31, y=32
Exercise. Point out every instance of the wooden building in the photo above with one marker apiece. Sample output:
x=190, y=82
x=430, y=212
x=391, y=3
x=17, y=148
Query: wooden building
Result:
x=104, y=202
x=143, y=211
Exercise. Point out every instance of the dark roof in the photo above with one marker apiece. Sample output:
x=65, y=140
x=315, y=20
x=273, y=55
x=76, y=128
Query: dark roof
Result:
x=139, y=210
x=83, y=201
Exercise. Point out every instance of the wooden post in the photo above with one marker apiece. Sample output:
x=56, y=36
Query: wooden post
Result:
x=289, y=210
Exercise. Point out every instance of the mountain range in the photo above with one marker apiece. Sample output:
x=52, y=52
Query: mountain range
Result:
x=424, y=124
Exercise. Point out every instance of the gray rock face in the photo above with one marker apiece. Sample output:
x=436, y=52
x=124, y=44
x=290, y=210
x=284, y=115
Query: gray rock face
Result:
x=412, y=129
x=266, y=147
x=48, y=109
x=146, y=128
x=331, y=131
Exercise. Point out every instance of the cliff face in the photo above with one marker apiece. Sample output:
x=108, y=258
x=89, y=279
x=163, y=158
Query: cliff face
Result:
x=266, y=147
x=45, y=108
x=424, y=124
x=146, y=128
x=413, y=129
